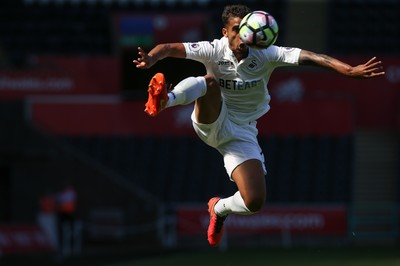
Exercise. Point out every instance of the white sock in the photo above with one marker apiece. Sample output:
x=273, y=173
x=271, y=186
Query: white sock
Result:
x=187, y=91
x=233, y=204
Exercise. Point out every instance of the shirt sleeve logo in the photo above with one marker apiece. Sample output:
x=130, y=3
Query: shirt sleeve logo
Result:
x=194, y=47
x=288, y=49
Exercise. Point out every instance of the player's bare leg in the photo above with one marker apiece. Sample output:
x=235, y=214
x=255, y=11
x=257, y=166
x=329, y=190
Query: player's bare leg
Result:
x=249, y=178
x=208, y=107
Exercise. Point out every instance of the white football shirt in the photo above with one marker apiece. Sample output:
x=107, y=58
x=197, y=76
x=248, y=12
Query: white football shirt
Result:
x=243, y=84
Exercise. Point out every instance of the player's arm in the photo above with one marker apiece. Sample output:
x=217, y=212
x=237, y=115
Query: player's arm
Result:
x=370, y=69
x=161, y=51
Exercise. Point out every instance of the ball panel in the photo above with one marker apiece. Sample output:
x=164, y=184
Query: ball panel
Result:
x=258, y=29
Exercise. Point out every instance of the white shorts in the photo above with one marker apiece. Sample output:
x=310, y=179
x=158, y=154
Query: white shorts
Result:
x=236, y=143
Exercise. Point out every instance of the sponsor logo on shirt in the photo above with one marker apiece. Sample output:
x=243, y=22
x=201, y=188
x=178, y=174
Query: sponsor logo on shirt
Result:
x=231, y=84
x=224, y=63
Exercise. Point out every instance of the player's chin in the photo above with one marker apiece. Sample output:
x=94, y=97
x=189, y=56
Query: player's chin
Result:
x=241, y=48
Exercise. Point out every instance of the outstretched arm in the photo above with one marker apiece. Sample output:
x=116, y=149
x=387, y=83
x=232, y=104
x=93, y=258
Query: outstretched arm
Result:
x=372, y=68
x=161, y=51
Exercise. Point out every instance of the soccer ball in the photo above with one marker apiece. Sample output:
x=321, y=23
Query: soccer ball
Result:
x=258, y=29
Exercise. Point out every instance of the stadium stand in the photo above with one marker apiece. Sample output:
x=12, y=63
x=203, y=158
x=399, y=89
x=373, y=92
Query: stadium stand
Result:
x=66, y=27
x=300, y=170
x=321, y=166
x=36, y=26
x=135, y=175
x=363, y=27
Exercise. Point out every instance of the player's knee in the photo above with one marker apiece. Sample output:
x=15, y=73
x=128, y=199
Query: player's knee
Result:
x=213, y=92
x=212, y=84
x=255, y=203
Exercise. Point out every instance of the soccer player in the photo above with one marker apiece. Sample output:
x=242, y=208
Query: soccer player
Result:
x=228, y=101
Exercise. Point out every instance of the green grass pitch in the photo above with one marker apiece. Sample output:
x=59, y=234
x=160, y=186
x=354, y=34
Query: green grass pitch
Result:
x=366, y=256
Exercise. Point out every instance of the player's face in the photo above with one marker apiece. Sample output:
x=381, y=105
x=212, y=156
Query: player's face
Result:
x=231, y=31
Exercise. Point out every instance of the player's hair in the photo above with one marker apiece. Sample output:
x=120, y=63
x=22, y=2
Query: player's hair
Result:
x=234, y=11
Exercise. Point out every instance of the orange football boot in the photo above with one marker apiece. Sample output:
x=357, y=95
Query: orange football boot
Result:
x=158, y=95
x=216, y=227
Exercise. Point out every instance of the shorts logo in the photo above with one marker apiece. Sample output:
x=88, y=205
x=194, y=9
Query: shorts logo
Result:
x=194, y=47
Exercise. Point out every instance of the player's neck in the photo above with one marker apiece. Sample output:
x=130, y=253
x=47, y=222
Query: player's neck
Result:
x=240, y=56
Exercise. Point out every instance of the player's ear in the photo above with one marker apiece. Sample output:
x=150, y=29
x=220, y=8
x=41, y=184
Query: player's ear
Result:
x=224, y=32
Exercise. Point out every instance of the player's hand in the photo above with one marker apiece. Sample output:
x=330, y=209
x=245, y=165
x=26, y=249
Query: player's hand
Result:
x=372, y=68
x=144, y=61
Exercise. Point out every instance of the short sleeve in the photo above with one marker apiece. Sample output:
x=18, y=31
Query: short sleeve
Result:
x=284, y=55
x=200, y=51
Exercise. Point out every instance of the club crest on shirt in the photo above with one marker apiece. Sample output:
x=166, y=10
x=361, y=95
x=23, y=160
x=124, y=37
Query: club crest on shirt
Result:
x=253, y=65
x=194, y=47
